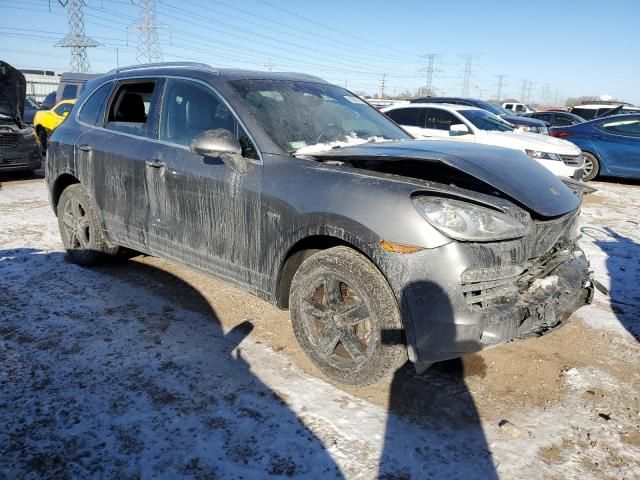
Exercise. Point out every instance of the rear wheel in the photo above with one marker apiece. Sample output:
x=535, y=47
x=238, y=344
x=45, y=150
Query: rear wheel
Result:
x=80, y=228
x=346, y=318
x=591, y=167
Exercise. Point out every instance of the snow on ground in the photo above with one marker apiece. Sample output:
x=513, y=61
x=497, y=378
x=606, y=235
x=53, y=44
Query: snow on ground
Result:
x=105, y=374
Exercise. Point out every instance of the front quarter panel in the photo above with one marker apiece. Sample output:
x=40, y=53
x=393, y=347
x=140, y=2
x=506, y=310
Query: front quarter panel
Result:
x=304, y=197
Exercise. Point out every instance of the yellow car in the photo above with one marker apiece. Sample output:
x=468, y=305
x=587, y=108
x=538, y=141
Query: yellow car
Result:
x=46, y=121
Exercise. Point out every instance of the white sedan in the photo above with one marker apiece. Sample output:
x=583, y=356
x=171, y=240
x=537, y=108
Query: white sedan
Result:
x=471, y=124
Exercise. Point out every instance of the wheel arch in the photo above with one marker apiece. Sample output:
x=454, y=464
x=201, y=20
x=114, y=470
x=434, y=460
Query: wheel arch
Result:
x=62, y=182
x=301, y=249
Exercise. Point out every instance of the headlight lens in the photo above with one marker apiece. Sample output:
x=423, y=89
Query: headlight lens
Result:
x=543, y=155
x=468, y=222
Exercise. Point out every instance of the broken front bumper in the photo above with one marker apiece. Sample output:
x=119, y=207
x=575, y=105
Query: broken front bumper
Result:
x=462, y=298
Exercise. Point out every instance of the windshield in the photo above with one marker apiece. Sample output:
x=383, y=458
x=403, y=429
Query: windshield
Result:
x=486, y=121
x=298, y=115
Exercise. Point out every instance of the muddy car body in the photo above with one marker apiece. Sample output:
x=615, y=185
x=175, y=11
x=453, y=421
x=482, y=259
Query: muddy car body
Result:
x=19, y=146
x=303, y=194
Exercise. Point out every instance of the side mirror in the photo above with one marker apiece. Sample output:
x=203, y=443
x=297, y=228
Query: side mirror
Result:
x=223, y=144
x=459, y=129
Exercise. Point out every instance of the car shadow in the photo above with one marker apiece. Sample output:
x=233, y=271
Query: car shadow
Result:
x=125, y=372
x=451, y=442
x=6, y=177
x=623, y=268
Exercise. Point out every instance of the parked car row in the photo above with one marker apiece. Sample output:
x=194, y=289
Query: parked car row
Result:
x=383, y=247
x=475, y=125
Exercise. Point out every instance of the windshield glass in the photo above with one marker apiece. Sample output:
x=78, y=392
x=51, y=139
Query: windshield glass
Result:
x=486, y=121
x=310, y=117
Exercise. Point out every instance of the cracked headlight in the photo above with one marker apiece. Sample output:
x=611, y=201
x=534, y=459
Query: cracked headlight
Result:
x=543, y=155
x=466, y=221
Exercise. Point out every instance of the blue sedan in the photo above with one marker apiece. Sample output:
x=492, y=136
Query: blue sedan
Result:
x=610, y=145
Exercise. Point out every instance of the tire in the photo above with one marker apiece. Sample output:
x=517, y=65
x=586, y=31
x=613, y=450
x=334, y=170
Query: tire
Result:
x=42, y=136
x=80, y=228
x=591, y=161
x=341, y=306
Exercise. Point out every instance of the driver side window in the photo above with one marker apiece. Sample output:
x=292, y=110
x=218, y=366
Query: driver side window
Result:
x=189, y=108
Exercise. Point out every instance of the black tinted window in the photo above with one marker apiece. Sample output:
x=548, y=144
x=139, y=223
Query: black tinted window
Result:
x=440, y=119
x=563, y=121
x=190, y=108
x=90, y=112
x=49, y=100
x=406, y=116
x=586, y=113
x=69, y=92
x=130, y=107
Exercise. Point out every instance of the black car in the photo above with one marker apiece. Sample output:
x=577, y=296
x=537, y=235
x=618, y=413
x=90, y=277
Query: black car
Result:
x=557, y=118
x=30, y=109
x=19, y=145
x=383, y=247
x=527, y=124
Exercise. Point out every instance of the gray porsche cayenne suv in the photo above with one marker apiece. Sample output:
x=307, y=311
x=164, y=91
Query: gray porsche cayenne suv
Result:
x=382, y=247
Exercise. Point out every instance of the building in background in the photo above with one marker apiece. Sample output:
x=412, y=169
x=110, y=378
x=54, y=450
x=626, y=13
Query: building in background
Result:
x=40, y=83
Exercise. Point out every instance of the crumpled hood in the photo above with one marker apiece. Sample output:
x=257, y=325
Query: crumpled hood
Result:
x=13, y=89
x=511, y=172
x=531, y=141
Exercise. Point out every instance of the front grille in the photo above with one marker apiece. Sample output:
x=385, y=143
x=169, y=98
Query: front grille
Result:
x=483, y=287
x=573, y=160
x=9, y=140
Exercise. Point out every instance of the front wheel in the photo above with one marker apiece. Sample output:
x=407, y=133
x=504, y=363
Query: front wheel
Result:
x=591, y=167
x=80, y=228
x=346, y=318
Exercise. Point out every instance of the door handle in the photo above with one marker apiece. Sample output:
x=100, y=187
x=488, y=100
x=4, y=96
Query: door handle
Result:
x=155, y=164
x=85, y=147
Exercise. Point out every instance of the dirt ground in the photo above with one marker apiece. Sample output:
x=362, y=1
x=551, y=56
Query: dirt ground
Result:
x=555, y=375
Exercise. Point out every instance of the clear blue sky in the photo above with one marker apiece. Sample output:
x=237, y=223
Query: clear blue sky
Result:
x=577, y=47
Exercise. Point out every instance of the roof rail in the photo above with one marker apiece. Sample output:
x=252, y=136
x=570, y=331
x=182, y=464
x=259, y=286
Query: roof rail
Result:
x=198, y=65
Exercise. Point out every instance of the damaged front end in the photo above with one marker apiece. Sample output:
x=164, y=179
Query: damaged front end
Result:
x=474, y=293
x=464, y=297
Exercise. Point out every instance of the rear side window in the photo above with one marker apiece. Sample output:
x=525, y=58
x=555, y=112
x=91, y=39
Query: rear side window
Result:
x=629, y=127
x=563, y=120
x=93, y=107
x=69, y=92
x=508, y=106
x=406, y=116
x=440, y=119
x=129, y=108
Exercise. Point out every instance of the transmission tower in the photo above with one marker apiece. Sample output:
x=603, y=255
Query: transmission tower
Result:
x=529, y=88
x=467, y=75
x=149, y=50
x=383, y=80
x=500, y=84
x=523, y=94
x=429, y=71
x=76, y=39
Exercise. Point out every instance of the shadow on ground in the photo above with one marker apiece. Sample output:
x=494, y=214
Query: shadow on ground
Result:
x=133, y=377
x=623, y=267
x=440, y=401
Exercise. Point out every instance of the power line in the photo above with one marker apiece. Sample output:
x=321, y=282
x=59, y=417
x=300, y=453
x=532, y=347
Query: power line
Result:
x=76, y=39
